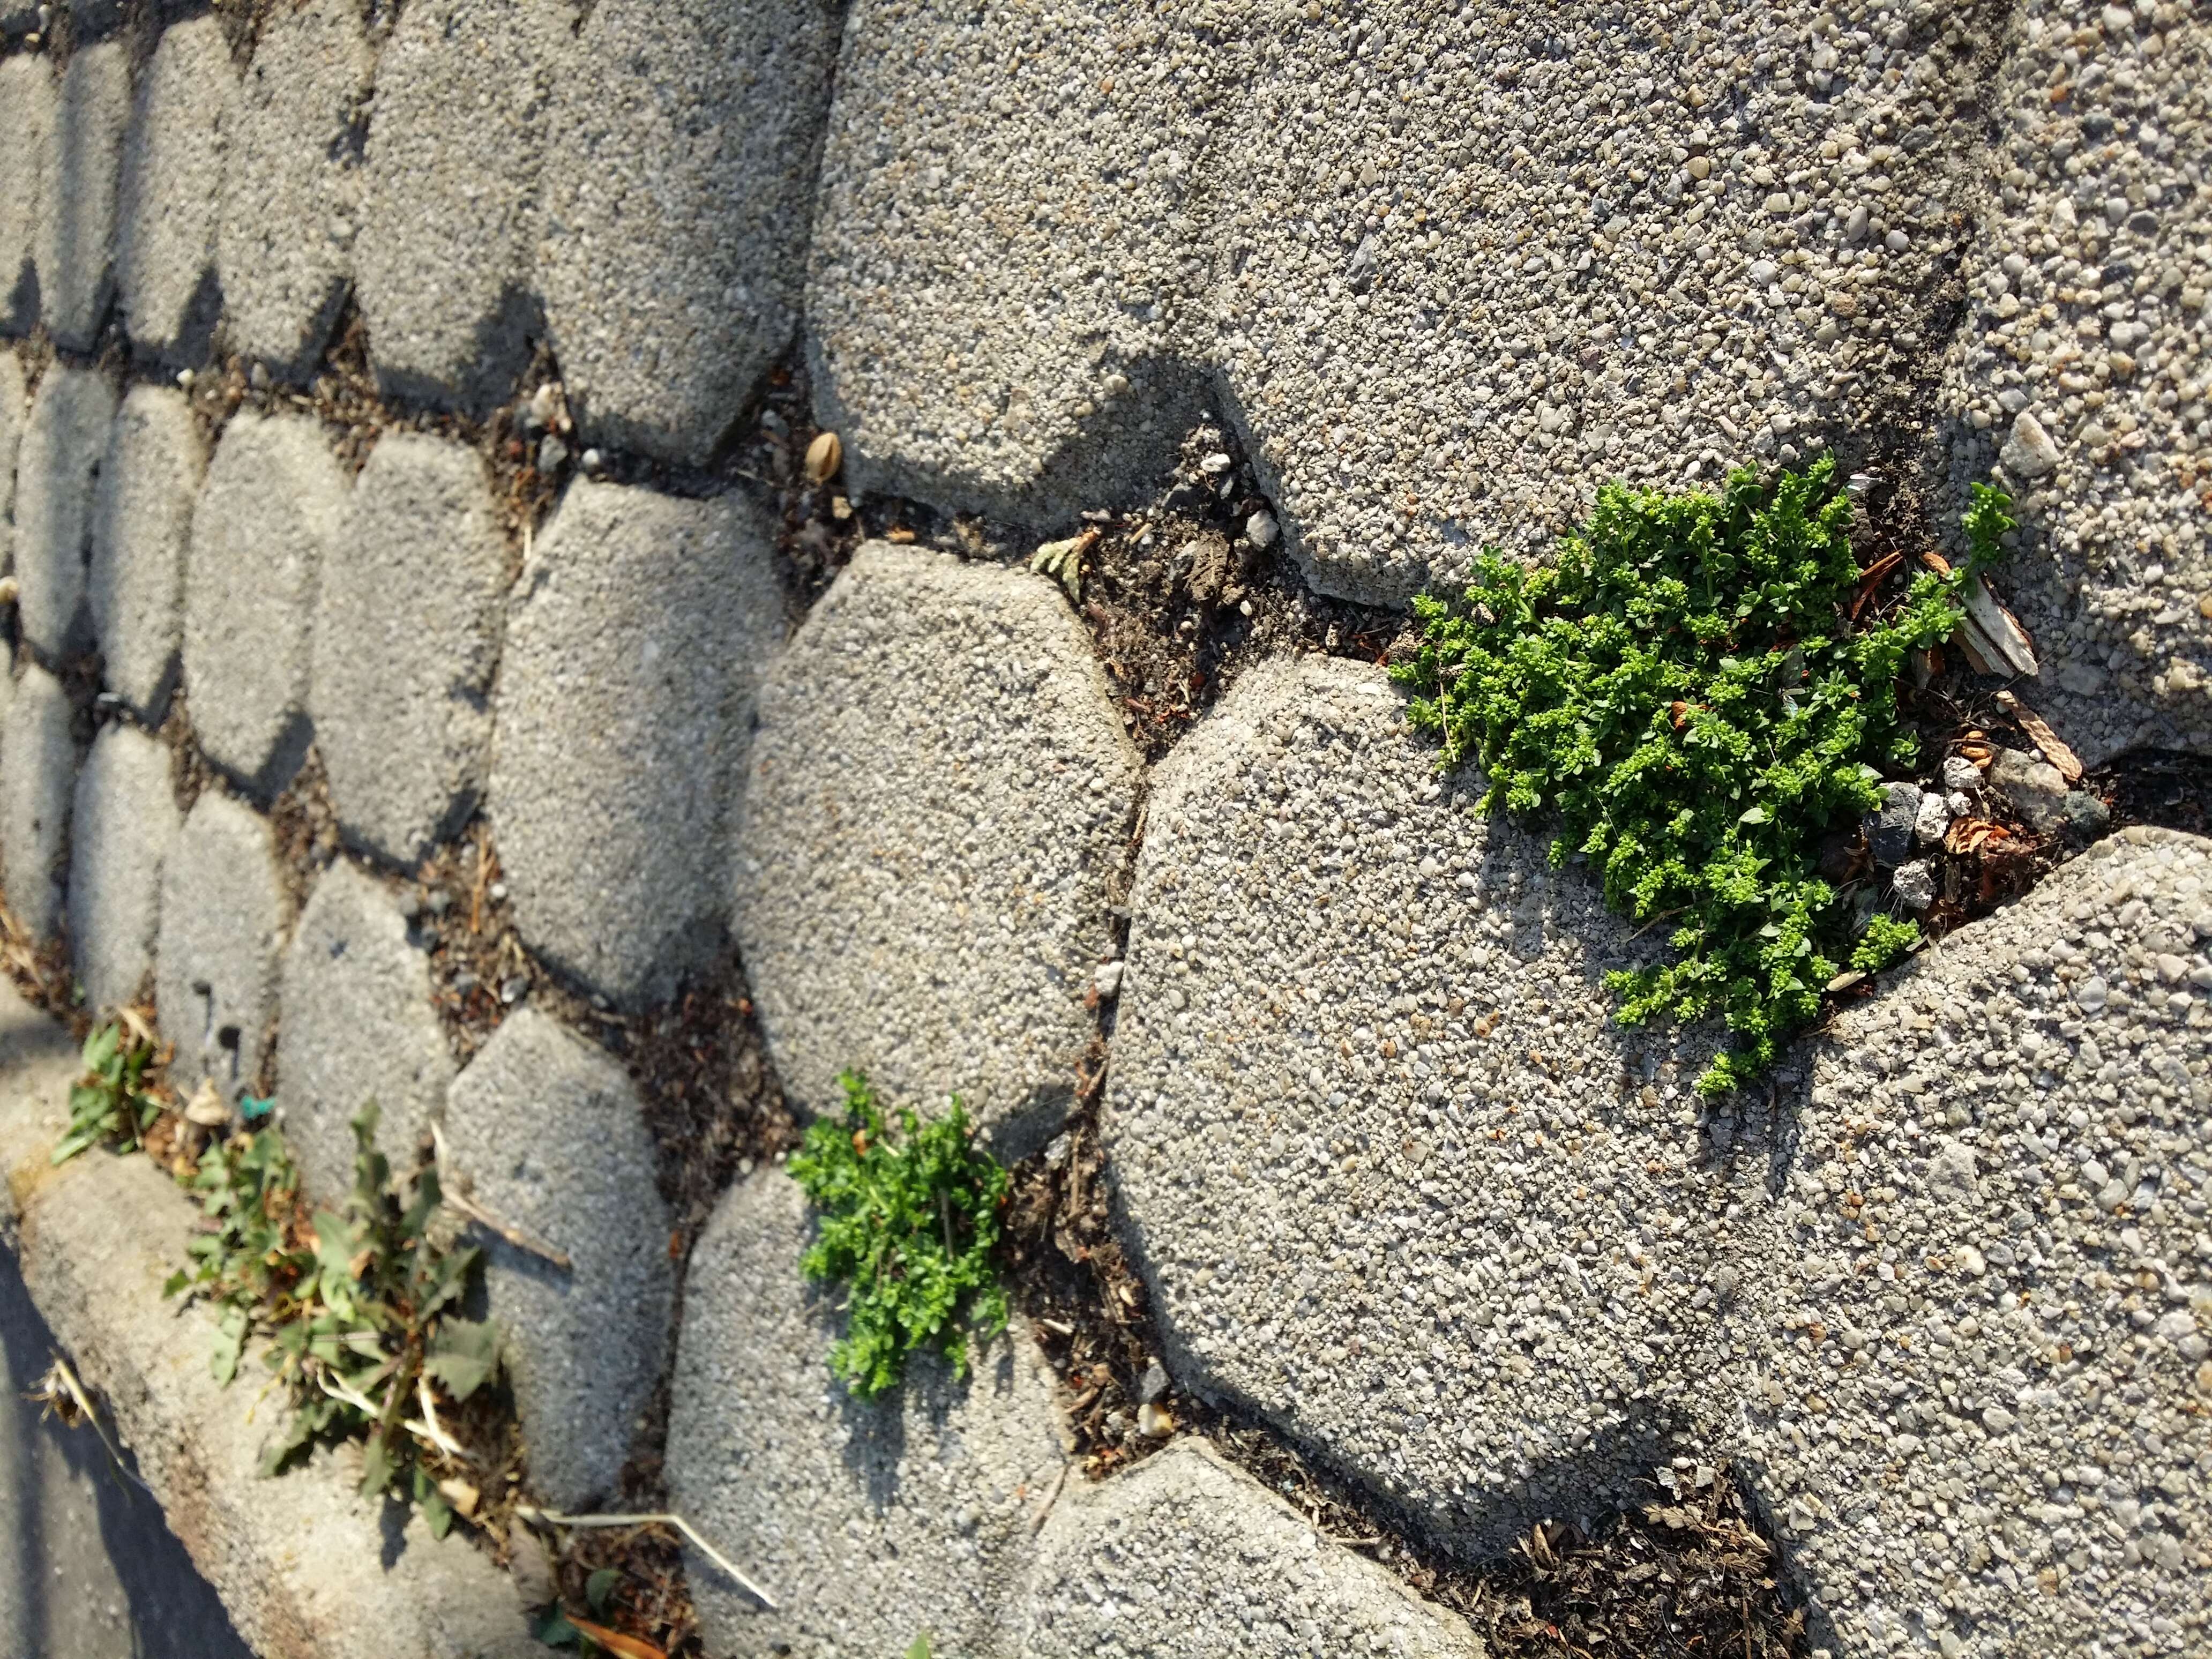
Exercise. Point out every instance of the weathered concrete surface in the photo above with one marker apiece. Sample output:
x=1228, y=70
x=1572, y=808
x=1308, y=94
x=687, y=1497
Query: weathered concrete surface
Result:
x=222, y=922
x=267, y=520
x=307, y=1569
x=1395, y=1178
x=549, y=1133
x=95, y=1574
x=291, y=183
x=450, y=193
x=75, y=246
x=2080, y=371
x=678, y=184
x=64, y=443
x=870, y=1522
x=124, y=822
x=1448, y=277
x=28, y=96
x=1980, y=1417
x=38, y=776
x=939, y=793
x=1184, y=1556
x=625, y=706
x=172, y=187
x=142, y=518
x=406, y=639
x=358, y=1025
x=15, y=415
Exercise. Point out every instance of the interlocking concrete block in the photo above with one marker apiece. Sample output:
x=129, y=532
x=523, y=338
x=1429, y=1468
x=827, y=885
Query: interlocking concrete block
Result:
x=549, y=1131
x=869, y=1522
x=358, y=1024
x=939, y=793
x=1981, y=1421
x=63, y=444
x=291, y=183
x=450, y=195
x=625, y=707
x=1283, y=203
x=996, y=303
x=38, y=778
x=306, y=1566
x=222, y=925
x=2081, y=373
x=266, y=521
x=124, y=822
x=15, y=415
x=406, y=639
x=1397, y=1181
x=1184, y=1556
x=28, y=96
x=678, y=182
x=172, y=166
x=75, y=246
x=142, y=519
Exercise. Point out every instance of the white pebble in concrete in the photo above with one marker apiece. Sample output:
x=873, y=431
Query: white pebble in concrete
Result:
x=939, y=793
x=124, y=822
x=142, y=517
x=406, y=638
x=548, y=1131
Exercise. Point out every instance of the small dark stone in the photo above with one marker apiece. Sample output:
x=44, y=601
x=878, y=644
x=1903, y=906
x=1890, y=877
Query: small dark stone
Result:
x=2086, y=816
x=1155, y=1383
x=1892, y=829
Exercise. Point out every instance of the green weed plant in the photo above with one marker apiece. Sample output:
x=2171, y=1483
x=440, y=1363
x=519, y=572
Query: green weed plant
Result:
x=909, y=1221
x=110, y=1105
x=1684, y=694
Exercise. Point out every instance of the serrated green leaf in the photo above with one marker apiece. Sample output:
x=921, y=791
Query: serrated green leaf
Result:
x=462, y=1355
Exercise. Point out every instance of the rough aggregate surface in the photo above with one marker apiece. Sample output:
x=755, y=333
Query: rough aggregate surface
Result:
x=38, y=782
x=142, y=517
x=171, y=188
x=75, y=246
x=57, y=464
x=938, y=794
x=222, y=929
x=28, y=97
x=123, y=825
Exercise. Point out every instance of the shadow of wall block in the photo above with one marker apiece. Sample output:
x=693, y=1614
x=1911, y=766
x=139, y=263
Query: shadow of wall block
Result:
x=406, y=639
x=868, y=1522
x=1989, y=1292
x=1213, y=1565
x=358, y=1026
x=56, y=466
x=142, y=515
x=222, y=920
x=124, y=822
x=1441, y=314
x=450, y=195
x=679, y=182
x=75, y=246
x=549, y=1131
x=266, y=520
x=1395, y=1178
x=2083, y=370
x=172, y=186
x=28, y=97
x=939, y=794
x=625, y=709
x=292, y=183
x=38, y=780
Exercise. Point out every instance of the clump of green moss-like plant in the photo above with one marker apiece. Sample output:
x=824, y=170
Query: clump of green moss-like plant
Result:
x=1684, y=693
x=909, y=1221
x=112, y=1104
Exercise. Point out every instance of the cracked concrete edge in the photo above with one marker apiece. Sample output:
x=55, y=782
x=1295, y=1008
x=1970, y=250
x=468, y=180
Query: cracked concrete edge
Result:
x=306, y=1569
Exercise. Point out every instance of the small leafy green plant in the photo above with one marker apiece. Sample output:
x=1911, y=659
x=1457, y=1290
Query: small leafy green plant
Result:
x=909, y=1221
x=359, y=1304
x=1686, y=694
x=111, y=1104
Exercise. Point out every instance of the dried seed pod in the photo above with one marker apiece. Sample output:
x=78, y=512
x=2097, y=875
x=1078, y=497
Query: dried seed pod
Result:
x=823, y=457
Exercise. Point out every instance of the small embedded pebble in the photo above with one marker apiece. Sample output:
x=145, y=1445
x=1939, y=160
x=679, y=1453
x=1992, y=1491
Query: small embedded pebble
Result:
x=1108, y=980
x=1915, y=885
x=1261, y=530
x=552, y=455
x=1960, y=774
x=1932, y=820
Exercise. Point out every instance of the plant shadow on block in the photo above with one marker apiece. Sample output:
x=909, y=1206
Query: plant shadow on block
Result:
x=910, y=1221
x=1693, y=694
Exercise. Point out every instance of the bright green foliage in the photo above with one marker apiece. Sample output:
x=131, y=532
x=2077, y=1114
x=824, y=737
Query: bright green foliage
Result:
x=358, y=1304
x=910, y=1224
x=111, y=1103
x=1684, y=693
x=1886, y=941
